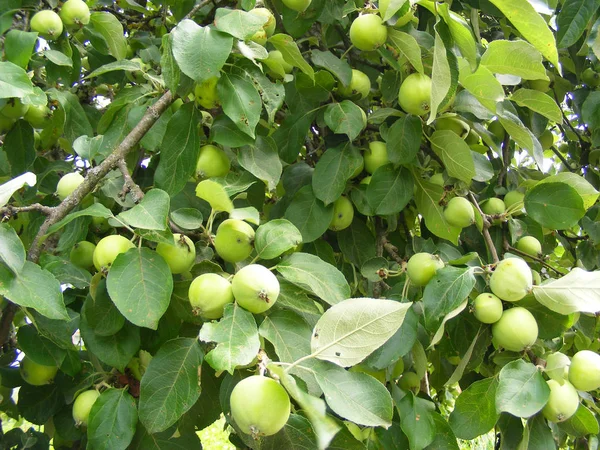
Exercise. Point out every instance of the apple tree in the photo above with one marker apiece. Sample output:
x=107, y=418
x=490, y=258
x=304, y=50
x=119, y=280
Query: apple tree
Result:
x=330, y=224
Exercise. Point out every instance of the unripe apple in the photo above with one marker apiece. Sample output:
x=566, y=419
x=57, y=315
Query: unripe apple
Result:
x=379, y=375
x=366, y=180
x=513, y=201
x=48, y=24
x=108, y=248
x=398, y=369
x=37, y=374
x=209, y=293
x=179, y=256
x=212, y=162
x=454, y=124
x=493, y=206
x=497, y=130
x=359, y=86
x=14, y=109
x=206, y=93
x=297, y=5
x=67, y=184
x=415, y=94
x=562, y=403
x=269, y=25
x=437, y=179
x=275, y=62
x=459, y=212
x=516, y=330
x=557, y=366
x=260, y=37
x=82, y=255
x=590, y=77
x=38, y=116
x=546, y=139
x=368, y=32
x=529, y=245
x=584, y=372
x=234, y=240
x=421, y=268
x=343, y=213
x=410, y=381
x=6, y=124
x=260, y=406
x=487, y=308
x=75, y=13
x=512, y=280
x=376, y=156
x=83, y=405
x=540, y=85
x=473, y=139
x=255, y=288
x=537, y=279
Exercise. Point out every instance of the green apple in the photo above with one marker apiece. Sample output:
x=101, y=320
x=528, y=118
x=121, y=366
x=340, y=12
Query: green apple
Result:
x=278, y=66
x=376, y=156
x=497, y=130
x=584, y=372
x=493, y=206
x=206, y=93
x=209, y=293
x=368, y=32
x=234, y=240
x=516, y=330
x=415, y=94
x=379, y=375
x=108, y=248
x=366, y=180
x=557, y=366
x=212, y=162
x=421, y=268
x=38, y=116
x=398, y=369
x=14, y=109
x=37, y=374
x=359, y=86
x=260, y=406
x=48, y=24
x=180, y=255
x=540, y=85
x=590, y=77
x=537, y=279
x=83, y=405
x=255, y=288
x=487, y=308
x=269, y=25
x=82, y=255
x=530, y=245
x=459, y=212
x=437, y=179
x=546, y=139
x=75, y=13
x=513, y=201
x=562, y=403
x=512, y=279
x=473, y=139
x=450, y=123
x=6, y=124
x=410, y=381
x=343, y=213
x=297, y=5
x=67, y=184
x=260, y=37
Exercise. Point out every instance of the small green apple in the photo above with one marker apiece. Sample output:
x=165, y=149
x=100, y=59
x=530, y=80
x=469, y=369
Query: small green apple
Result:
x=397, y=370
x=415, y=94
x=209, y=293
x=75, y=13
x=82, y=255
x=410, y=381
x=557, y=366
x=512, y=280
x=212, y=162
x=376, y=156
x=513, y=201
x=37, y=374
x=6, y=124
x=297, y=5
x=343, y=213
x=255, y=288
x=206, y=93
x=497, y=130
x=540, y=85
x=359, y=86
x=67, y=184
x=546, y=139
x=260, y=37
x=108, y=248
x=180, y=255
x=83, y=405
x=590, y=77
x=269, y=25
x=421, y=268
x=493, y=206
x=487, y=308
x=530, y=245
x=48, y=24
x=277, y=64
x=14, y=109
x=516, y=330
x=368, y=32
x=38, y=116
x=379, y=375
x=562, y=403
x=584, y=372
x=450, y=123
x=234, y=240
x=459, y=212
x=437, y=179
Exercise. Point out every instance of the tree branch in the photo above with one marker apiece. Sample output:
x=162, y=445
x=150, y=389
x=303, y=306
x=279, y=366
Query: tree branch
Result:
x=486, y=230
x=12, y=210
x=512, y=249
x=129, y=186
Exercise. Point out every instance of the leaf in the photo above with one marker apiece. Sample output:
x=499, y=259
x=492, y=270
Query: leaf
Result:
x=215, y=195
x=439, y=334
x=112, y=421
x=357, y=242
x=101, y=313
x=10, y=187
x=416, y=419
x=289, y=333
x=291, y=53
x=475, y=410
x=297, y=434
x=261, y=159
x=577, y=291
x=239, y=24
x=76, y=121
x=236, y=336
x=19, y=146
x=345, y=118
x=169, y=68
x=461, y=34
x=111, y=30
x=390, y=190
x=404, y=139
x=444, y=75
x=538, y=102
x=187, y=218
x=338, y=67
x=554, y=205
x=582, y=423
x=333, y=170
x=40, y=349
x=482, y=84
x=538, y=435
x=522, y=390
x=309, y=214
x=171, y=384
x=408, y=46
x=12, y=252
x=241, y=102
x=351, y=330
x=455, y=154
x=276, y=237
x=14, y=81
x=96, y=210
x=151, y=213
x=519, y=132
x=34, y=287
x=58, y=58
x=199, y=51
x=583, y=187
x=226, y=133
x=573, y=19
x=514, y=58
x=315, y=275
x=18, y=46
x=140, y=284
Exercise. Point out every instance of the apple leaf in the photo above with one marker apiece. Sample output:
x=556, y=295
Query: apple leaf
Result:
x=579, y=290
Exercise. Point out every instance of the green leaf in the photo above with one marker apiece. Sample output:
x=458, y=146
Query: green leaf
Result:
x=514, y=58
x=577, y=291
x=113, y=419
x=261, y=159
x=40, y=349
x=276, y=237
x=316, y=276
x=19, y=146
x=408, y=46
x=187, y=218
x=370, y=322
x=12, y=252
x=291, y=53
x=554, y=205
x=392, y=7
x=68, y=273
x=76, y=121
x=58, y=58
x=338, y=67
x=461, y=33
x=289, y=333
x=236, y=336
x=96, y=210
x=444, y=436
x=475, y=410
x=241, y=102
x=10, y=187
x=404, y=139
x=455, y=154
x=171, y=384
x=140, y=284
x=239, y=24
x=297, y=434
x=215, y=195
x=112, y=31
x=444, y=75
x=272, y=94
x=14, y=81
x=101, y=313
x=169, y=68
x=573, y=20
x=18, y=46
x=199, y=51
x=583, y=187
x=357, y=242
x=143, y=440
x=34, y=287
x=126, y=65
x=390, y=190
x=538, y=435
x=522, y=390
x=151, y=213
x=538, y=102
x=482, y=84
x=225, y=132
x=333, y=170
x=519, y=132
x=345, y=118
x=582, y=424
x=309, y=214
x=416, y=419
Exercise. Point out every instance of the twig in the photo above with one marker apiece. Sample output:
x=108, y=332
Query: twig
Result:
x=505, y=159
x=393, y=252
x=12, y=210
x=486, y=230
x=563, y=159
x=511, y=249
x=197, y=8
x=381, y=239
x=129, y=186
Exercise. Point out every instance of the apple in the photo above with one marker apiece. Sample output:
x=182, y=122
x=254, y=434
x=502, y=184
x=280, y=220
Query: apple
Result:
x=540, y=85
x=398, y=369
x=14, y=109
x=366, y=180
x=277, y=64
x=512, y=279
x=537, y=279
x=206, y=93
x=48, y=24
x=546, y=139
x=516, y=330
x=108, y=248
x=437, y=179
x=487, y=308
x=37, y=374
x=260, y=406
x=513, y=201
x=67, y=184
x=269, y=25
x=497, y=130
x=562, y=403
x=590, y=77
x=343, y=213
x=209, y=293
x=379, y=375
x=83, y=405
x=584, y=372
x=376, y=156
x=410, y=381
x=473, y=139
x=234, y=240
x=557, y=366
x=82, y=255
x=38, y=116
x=493, y=206
x=212, y=162
x=100, y=225
x=530, y=245
x=75, y=13
x=260, y=37
x=297, y=5
x=421, y=268
x=5, y=124
x=180, y=256
x=415, y=94
x=255, y=288
x=459, y=212
x=368, y=32
x=359, y=86
x=459, y=127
